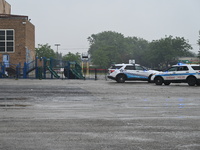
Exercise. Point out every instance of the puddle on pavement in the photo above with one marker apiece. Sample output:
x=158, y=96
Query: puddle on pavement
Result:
x=10, y=99
x=13, y=106
x=6, y=102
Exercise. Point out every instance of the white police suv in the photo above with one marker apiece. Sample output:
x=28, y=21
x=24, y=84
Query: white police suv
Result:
x=180, y=73
x=123, y=72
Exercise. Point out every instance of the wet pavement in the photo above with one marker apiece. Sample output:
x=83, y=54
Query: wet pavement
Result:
x=98, y=115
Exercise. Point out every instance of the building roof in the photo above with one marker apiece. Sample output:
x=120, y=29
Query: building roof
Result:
x=13, y=16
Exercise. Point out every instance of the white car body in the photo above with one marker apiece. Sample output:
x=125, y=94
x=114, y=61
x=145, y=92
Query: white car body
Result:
x=180, y=73
x=123, y=72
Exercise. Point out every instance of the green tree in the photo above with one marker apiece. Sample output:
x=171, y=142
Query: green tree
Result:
x=167, y=50
x=136, y=48
x=72, y=57
x=111, y=45
x=45, y=51
x=101, y=58
x=115, y=48
x=198, y=42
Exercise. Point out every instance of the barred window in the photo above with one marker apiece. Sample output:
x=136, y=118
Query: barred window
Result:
x=6, y=40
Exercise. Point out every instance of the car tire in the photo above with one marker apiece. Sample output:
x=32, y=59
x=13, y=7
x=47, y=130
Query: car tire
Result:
x=121, y=78
x=167, y=83
x=149, y=79
x=192, y=81
x=158, y=81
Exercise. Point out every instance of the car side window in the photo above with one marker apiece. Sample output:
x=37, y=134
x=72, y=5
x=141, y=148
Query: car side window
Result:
x=115, y=67
x=196, y=67
x=182, y=68
x=139, y=68
x=130, y=67
x=172, y=69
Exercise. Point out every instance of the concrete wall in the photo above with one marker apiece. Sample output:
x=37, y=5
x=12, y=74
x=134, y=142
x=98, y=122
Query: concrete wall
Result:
x=5, y=8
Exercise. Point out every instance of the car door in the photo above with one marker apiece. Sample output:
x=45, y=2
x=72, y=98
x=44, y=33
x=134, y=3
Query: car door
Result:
x=136, y=72
x=170, y=74
x=141, y=72
x=129, y=70
x=182, y=73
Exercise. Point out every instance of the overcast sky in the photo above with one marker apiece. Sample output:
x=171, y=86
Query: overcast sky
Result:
x=71, y=22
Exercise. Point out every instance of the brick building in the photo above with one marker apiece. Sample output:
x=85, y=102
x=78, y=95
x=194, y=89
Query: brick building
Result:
x=17, y=39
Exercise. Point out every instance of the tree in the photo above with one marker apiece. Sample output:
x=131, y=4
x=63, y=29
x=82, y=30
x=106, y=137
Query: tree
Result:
x=115, y=48
x=101, y=58
x=111, y=45
x=45, y=51
x=72, y=57
x=166, y=51
x=137, y=48
x=198, y=42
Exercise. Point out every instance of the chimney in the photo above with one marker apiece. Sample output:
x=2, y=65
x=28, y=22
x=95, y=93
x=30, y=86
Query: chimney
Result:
x=5, y=8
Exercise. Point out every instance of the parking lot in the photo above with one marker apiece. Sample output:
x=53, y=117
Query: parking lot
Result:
x=98, y=115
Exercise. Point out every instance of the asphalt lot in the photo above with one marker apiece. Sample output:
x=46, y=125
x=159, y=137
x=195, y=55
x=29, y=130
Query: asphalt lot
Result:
x=98, y=115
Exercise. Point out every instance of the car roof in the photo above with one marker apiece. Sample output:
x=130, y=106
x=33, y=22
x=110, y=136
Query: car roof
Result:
x=185, y=65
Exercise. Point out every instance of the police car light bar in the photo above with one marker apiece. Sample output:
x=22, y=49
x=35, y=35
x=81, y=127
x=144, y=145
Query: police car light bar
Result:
x=180, y=64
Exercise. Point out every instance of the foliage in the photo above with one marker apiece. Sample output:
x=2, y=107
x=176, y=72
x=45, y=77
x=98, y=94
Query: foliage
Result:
x=72, y=57
x=45, y=51
x=106, y=46
x=198, y=42
x=111, y=47
x=166, y=51
x=137, y=49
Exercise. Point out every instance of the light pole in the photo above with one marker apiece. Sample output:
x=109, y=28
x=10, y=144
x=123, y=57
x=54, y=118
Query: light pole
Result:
x=57, y=49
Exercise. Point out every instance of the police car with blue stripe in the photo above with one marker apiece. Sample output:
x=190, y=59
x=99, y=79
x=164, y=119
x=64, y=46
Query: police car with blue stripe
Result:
x=180, y=73
x=123, y=72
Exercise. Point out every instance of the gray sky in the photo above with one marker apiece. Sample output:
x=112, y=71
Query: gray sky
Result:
x=71, y=22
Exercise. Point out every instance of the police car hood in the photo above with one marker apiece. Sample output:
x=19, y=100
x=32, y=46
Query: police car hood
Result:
x=153, y=71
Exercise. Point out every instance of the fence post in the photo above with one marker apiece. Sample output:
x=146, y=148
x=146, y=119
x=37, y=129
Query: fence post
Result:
x=106, y=74
x=24, y=70
x=36, y=67
x=44, y=67
x=3, y=70
x=17, y=72
x=95, y=73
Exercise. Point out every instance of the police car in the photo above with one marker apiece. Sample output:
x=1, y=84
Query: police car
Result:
x=180, y=73
x=123, y=72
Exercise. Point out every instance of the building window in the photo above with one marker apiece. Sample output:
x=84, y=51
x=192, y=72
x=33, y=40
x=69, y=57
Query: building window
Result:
x=6, y=40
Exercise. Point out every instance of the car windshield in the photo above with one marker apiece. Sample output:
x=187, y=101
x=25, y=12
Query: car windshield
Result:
x=196, y=67
x=144, y=68
x=115, y=67
x=140, y=68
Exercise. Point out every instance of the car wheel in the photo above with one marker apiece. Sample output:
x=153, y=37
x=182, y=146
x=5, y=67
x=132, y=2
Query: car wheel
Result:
x=149, y=79
x=158, y=81
x=121, y=78
x=167, y=83
x=191, y=81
